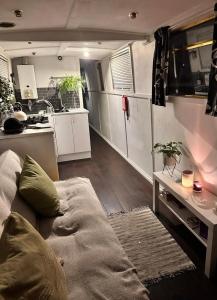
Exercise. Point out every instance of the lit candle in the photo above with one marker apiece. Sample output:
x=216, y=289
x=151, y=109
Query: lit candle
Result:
x=187, y=178
x=197, y=186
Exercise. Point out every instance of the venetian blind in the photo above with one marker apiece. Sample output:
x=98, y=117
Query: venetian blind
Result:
x=4, y=67
x=121, y=69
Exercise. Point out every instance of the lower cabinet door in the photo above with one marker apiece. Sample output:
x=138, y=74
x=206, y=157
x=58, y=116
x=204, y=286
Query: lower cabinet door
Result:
x=64, y=134
x=81, y=133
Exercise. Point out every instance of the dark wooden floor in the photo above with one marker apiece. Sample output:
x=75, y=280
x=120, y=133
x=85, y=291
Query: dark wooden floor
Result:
x=121, y=188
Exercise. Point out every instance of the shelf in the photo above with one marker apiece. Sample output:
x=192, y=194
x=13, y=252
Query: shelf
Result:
x=183, y=214
x=202, y=205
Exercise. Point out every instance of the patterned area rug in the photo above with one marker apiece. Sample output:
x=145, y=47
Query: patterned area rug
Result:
x=149, y=246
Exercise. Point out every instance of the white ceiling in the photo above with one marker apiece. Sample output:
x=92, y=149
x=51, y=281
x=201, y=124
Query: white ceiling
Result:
x=56, y=17
x=98, y=14
x=96, y=50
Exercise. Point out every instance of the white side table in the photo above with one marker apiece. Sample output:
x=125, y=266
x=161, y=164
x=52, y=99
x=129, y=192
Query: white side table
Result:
x=201, y=205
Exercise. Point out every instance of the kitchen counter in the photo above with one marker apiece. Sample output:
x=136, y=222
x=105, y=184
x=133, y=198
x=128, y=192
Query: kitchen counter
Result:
x=25, y=133
x=72, y=111
x=38, y=143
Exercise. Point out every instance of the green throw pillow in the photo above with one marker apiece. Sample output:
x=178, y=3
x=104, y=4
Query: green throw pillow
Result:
x=28, y=266
x=38, y=189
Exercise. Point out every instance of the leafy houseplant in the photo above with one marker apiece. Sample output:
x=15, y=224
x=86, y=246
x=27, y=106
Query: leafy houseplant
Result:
x=70, y=84
x=171, y=153
x=6, y=97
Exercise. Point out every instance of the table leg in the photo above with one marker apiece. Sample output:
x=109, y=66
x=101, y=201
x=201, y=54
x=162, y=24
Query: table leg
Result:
x=155, y=196
x=211, y=252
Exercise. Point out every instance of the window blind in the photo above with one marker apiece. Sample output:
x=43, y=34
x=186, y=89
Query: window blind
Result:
x=122, y=72
x=4, y=67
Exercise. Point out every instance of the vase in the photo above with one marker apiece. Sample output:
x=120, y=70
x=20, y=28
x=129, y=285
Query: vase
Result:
x=169, y=161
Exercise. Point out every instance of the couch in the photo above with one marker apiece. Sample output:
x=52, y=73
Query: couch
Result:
x=95, y=264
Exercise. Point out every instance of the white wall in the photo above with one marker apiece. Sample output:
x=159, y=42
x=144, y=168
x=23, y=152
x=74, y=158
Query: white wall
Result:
x=183, y=119
x=47, y=66
x=143, y=61
x=132, y=138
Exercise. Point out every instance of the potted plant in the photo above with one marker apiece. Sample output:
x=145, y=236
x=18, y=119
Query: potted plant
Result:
x=6, y=98
x=70, y=84
x=171, y=153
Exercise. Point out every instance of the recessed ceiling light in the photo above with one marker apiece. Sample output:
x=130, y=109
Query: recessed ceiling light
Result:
x=133, y=14
x=86, y=54
x=7, y=24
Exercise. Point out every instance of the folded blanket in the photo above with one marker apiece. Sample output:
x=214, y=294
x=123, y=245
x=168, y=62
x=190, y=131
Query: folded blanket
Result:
x=95, y=263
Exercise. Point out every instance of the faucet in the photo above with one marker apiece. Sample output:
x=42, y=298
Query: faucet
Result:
x=48, y=103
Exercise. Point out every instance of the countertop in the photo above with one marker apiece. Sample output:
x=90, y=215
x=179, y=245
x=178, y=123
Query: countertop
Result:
x=72, y=111
x=25, y=133
x=39, y=131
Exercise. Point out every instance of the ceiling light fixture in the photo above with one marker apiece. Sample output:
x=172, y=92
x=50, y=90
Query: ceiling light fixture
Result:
x=86, y=54
x=7, y=24
x=133, y=14
x=18, y=13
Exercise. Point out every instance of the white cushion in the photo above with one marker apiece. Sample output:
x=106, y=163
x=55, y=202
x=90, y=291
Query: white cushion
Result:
x=10, y=169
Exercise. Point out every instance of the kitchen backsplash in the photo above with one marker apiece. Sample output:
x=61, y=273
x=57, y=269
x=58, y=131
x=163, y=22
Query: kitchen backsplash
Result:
x=69, y=100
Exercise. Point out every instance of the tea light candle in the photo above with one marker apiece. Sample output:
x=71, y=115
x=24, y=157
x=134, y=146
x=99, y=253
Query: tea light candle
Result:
x=187, y=178
x=197, y=187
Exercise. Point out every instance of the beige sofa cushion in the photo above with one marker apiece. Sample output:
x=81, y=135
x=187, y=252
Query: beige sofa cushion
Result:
x=10, y=169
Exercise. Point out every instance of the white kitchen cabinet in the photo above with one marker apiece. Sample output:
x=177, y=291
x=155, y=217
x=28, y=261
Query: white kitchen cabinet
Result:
x=26, y=75
x=64, y=134
x=81, y=132
x=72, y=135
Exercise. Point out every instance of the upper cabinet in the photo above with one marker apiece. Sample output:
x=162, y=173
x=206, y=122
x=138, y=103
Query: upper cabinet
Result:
x=26, y=75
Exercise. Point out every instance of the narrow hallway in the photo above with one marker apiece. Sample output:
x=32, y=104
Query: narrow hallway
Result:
x=118, y=185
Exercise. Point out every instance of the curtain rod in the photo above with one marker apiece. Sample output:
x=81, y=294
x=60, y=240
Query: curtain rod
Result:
x=57, y=77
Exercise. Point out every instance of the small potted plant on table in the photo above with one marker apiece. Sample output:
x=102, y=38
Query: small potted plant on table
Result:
x=171, y=155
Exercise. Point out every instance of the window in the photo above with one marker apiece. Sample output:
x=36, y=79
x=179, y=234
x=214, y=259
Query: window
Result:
x=99, y=69
x=4, y=72
x=122, y=71
x=190, y=60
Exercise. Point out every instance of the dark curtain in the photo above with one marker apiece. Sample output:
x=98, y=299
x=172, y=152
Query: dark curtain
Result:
x=160, y=66
x=211, y=108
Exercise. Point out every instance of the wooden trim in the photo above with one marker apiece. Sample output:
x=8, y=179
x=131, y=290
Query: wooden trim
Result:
x=195, y=23
x=195, y=45
x=189, y=96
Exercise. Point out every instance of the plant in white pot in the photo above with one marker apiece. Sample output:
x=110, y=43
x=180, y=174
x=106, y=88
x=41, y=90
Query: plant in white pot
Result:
x=6, y=98
x=171, y=154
